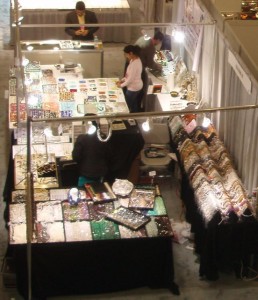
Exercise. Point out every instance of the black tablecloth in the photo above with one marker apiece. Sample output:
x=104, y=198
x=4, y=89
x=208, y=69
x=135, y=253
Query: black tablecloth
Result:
x=229, y=246
x=96, y=266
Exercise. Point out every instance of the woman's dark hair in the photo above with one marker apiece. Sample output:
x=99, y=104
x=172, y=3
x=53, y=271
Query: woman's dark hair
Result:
x=135, y=49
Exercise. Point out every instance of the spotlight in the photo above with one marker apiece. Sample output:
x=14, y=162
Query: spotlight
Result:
x=206, y=122
x=30, y=48
x=48, y=132
x=91, y=128
x=146, y=34
x=202, y=120
x=146, y=37
x=179, y=36
x=147, y=125
x=25, y=62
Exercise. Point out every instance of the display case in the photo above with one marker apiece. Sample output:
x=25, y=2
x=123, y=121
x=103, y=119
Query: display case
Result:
x=62, y=91
x=172, y=88
x=58, y=52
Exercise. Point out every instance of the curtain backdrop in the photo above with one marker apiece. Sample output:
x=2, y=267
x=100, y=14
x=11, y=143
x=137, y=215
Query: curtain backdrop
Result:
x=221, y=87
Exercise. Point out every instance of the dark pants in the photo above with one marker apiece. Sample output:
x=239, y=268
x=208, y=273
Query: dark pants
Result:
x=133, y=100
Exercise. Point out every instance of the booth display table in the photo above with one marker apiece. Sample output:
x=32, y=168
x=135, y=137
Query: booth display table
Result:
x=88, y=254
x=55, y=13
x=221, y=214
x=85, y=54
x=61, y=91
x=96, y=266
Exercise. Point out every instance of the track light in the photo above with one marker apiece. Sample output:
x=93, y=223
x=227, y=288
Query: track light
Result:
x=25, y=62
x=202, y=120
x=206, y=122
x=147, y=125
x=17, y=14
x=30, y=48
x=48, y=132
x=179, y=36
x=146, y=34
x=91, y=128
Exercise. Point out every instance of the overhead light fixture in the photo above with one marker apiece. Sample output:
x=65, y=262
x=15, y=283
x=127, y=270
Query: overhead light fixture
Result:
x=25, y=62
x=179, y=36
x=48, y=132
x=146, y=37
x=91, y=128
x=146, y=34
x=202, y=120
x=147, y=125
x=17, y=14
x=30, y=48
x=206, y=122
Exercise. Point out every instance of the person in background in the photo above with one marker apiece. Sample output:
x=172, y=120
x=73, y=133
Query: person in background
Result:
x=166, y=43
x=81, y=16
x=132, y=81
x=148, y=50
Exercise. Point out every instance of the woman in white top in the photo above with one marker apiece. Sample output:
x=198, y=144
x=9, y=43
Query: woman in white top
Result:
x=132, y=81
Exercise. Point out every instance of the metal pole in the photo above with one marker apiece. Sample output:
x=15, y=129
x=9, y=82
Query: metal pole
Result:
x=20, y=77
x=29, y=209
x=149, y=114
x=118, y=24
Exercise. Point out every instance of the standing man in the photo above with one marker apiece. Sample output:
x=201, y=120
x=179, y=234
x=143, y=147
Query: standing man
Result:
x=148, y=50
x=81, y=16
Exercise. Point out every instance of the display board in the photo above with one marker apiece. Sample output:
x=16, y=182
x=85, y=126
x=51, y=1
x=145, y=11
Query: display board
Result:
x=57, y=220
x=56, y=91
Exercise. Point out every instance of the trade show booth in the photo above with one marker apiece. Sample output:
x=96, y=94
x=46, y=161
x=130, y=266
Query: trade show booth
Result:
x=111, y=238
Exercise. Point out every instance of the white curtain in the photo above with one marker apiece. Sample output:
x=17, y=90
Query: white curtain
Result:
x=221, y=87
